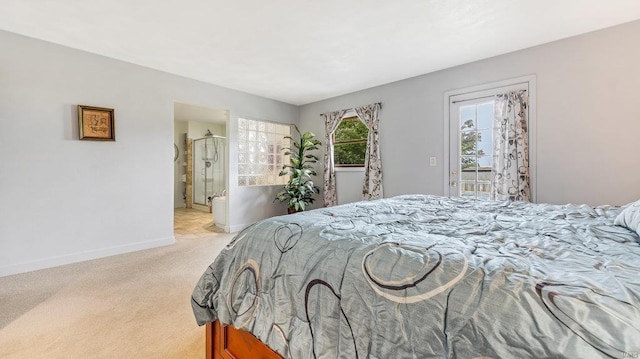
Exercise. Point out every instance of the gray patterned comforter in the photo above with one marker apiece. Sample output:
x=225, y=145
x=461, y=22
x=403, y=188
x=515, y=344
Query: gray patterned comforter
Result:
x=432, y=277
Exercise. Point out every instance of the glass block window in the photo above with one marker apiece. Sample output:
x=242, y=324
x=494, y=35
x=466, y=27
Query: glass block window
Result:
x=260, y=152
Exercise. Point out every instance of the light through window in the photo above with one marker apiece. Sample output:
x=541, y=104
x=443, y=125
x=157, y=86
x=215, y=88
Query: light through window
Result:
x=350, y=143
x=260, y=155
x=476, y=149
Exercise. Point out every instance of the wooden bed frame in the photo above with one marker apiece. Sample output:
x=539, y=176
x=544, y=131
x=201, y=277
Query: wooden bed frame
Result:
x=227, y=342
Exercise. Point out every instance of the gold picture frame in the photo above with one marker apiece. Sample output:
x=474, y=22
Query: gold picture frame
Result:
x=96, y=123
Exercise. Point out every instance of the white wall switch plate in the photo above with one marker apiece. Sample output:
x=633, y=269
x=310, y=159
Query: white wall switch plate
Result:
x=433, y=161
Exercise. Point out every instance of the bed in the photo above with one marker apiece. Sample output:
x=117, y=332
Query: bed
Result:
x=420, y=276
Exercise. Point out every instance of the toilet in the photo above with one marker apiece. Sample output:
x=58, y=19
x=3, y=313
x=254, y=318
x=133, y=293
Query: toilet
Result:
x=219, y=210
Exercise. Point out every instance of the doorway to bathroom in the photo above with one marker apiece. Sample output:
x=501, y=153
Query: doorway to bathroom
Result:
x=200, y=170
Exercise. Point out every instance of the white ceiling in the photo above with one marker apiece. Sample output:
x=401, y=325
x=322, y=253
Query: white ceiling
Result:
x=187, y=112
x=301, y=51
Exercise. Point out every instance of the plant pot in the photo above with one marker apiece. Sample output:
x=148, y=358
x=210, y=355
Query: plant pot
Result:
x=291, y=210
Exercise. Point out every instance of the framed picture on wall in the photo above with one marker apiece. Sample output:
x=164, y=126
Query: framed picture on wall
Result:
x=96, y=123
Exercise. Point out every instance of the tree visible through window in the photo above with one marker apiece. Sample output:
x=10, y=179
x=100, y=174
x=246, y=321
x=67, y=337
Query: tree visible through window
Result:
x=350, y=143
x=469, y=145
x=476, y=149
x=472, y=126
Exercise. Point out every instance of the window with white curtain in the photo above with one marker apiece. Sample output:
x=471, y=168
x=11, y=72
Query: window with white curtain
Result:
x=260, y=152
x=471, y=125
x=475, y=147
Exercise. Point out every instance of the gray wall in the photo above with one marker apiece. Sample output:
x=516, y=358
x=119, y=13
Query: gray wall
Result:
x=64, y=200
x=588, y=118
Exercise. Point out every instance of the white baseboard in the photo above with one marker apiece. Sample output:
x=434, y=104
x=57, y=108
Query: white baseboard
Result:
x=83, y=256
x=236, y=228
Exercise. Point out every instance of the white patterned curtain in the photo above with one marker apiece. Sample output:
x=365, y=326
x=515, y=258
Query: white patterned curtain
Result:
x=510, y=180
x=372, y=188
x=331, y=122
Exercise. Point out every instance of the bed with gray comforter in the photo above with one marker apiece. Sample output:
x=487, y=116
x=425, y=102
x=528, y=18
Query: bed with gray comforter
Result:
x=432, y=277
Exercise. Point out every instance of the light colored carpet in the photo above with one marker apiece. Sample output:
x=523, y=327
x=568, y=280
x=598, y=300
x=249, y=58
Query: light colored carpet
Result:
x=135, y=305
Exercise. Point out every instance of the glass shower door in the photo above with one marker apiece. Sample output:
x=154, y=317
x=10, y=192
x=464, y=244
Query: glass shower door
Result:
x=208, y=168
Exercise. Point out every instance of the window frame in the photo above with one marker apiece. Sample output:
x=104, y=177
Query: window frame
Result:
x=477, y=131
x=349, y=116
x=486, y=89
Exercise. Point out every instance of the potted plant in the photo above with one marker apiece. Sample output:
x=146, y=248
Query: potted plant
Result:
x=299, y=191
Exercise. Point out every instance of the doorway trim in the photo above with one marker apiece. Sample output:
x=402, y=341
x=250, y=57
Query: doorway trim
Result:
x=196, y=118
x=530, y=80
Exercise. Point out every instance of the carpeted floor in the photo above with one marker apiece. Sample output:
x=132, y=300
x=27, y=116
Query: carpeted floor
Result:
x=135, y=305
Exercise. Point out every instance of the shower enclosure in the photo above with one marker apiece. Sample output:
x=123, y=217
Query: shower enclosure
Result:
x=209, y=178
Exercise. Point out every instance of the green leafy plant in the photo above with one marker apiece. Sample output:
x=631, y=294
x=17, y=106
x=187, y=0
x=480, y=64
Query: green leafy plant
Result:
x=299, y=191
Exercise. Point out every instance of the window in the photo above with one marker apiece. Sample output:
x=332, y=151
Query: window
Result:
x=260, y=157
x=350, y=143
x=470, y=127
x=476, y=149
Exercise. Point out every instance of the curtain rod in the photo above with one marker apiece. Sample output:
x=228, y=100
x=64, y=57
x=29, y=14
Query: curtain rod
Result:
x=351, y=108
x=478, y=98
x=475, y=98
